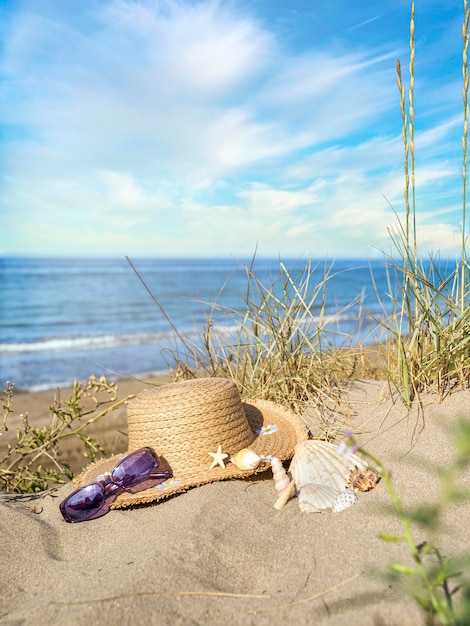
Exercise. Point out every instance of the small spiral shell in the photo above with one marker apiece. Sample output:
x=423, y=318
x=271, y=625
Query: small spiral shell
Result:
x=285, y=495
x=281, y=479
x=246, y=459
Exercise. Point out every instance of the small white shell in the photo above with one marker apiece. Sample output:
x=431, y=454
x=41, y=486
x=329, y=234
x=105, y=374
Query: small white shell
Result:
x=319, y=463
x=344, y=500
x=281, y=479
x=246, y=459
x=314, y=498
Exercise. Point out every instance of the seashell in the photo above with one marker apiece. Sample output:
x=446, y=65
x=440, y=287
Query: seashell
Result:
x=285, y=495
x=281, y=479
x=363, y=479
x=344, y=500
x=314, y=498
x=317, y=462
x=246, y=459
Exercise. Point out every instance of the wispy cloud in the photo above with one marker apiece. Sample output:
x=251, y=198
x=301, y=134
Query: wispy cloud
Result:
x=369, y=20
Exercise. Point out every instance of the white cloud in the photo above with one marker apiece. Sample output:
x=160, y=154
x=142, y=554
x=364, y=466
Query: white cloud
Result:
x=175, y=81
x=196, y=128
x=199, y=50
x=126, y=195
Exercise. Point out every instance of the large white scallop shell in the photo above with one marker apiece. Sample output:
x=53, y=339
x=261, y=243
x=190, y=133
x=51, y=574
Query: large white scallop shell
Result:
x=344, y=500
x=314, y=498
x=317, y=462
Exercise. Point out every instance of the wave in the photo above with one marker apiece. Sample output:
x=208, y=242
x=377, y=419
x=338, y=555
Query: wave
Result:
x=344, y=321
x=66, y=344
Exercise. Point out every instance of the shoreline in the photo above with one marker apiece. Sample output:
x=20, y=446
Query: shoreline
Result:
x=36, y=403
x=117, y=378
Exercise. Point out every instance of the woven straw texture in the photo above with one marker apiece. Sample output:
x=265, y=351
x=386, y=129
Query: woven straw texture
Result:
x=185, y=421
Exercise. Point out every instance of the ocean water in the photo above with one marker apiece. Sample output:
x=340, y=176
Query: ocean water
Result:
x=64, y=319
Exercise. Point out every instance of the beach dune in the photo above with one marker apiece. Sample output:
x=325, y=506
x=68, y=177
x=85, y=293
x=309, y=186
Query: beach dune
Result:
x=221, y=553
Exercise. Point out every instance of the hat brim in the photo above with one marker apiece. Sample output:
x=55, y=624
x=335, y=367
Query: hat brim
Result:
x=276, y=431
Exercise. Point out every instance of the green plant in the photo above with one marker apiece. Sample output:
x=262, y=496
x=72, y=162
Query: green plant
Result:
x=430, y=577
x=33, y=462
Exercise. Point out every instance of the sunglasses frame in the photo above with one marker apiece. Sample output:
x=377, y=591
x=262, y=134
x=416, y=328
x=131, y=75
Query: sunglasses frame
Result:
x=109, y=488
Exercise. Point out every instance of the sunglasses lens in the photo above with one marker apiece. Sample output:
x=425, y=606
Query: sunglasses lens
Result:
x=136, y=472
x=84, y=504
x=135, y=468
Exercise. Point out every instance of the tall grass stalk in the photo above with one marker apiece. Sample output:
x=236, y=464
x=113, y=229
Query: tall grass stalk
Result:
x=430, y=325
x=463, y=253
x=411, y=99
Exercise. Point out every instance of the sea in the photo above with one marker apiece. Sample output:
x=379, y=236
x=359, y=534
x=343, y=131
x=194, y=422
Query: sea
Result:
x=64, y=319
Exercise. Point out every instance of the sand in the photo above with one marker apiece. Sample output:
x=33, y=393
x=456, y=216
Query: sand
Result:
x=220, y=553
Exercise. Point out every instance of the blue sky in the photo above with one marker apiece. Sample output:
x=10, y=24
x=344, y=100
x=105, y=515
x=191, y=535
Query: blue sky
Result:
x=184, y=128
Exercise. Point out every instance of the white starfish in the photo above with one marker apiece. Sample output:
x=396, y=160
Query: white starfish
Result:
x=218, y=457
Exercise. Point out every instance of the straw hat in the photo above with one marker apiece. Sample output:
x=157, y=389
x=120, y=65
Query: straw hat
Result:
x=187, y=423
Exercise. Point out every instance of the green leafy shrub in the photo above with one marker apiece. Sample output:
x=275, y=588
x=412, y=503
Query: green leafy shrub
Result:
x=34, y=462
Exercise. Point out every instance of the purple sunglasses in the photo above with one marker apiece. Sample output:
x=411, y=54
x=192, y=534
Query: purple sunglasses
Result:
x=137, y=471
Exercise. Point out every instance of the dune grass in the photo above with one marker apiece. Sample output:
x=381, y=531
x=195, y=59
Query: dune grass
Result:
x=279, y=345
x=430, y=329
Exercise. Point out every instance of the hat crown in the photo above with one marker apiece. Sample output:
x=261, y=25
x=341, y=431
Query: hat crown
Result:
x=185, y=421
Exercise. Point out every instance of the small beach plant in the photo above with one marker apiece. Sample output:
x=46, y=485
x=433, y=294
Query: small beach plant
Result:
x=33, y=463
x=440, y=585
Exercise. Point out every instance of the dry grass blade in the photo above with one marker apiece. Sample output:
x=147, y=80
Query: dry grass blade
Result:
x=315, y=596
x=141, y=594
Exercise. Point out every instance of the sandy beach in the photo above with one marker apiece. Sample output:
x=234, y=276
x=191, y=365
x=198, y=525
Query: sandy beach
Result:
x=221, y=553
